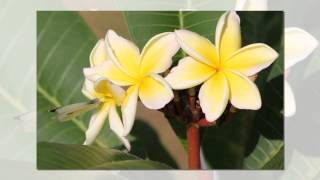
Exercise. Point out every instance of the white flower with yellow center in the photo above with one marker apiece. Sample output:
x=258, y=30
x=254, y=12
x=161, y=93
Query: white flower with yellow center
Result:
x=223, y=70
x=139, y=71
x=107, y=94
x=299, y=44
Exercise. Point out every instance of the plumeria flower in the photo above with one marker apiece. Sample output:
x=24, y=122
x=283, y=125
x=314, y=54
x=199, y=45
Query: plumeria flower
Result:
x=109, y=96
x=298, y=45
x=223, y=70
x=139, y=71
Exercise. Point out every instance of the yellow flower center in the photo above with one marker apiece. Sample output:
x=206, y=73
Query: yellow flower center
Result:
x=216, y=69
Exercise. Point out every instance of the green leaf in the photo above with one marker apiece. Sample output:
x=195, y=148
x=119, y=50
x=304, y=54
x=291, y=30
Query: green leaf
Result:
x=271, y=34
x=224, y=146
x=268, y=154
x=146, y=144
x=180, y=130
x=64, y=43
x=145, y=24
x=62, y=156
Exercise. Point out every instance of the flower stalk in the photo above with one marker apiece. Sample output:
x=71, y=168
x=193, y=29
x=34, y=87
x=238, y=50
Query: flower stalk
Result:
x=193, y=146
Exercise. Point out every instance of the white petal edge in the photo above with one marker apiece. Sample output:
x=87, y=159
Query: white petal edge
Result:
x=106, y=70
x=211, y=113
x=98, y=54
x=125, y=142
x=113, y=35
x=118, y=93
x=289, y=100
x=178, y=70
x=115, y=121
x=189, y=50
x=88, y=89
x=92, y=73
x=129, y=107
x=219, y=28
x=96, y=123
x=159, y=101
x=233, y=99
x=117, y=127
x=255, y=69
x=298, y=45
x=167, y=39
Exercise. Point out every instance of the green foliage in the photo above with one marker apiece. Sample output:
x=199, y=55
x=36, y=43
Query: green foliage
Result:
x=62, y=156
x=145, y=24
x=146, y=144
x=268, y=154
x=180, y=130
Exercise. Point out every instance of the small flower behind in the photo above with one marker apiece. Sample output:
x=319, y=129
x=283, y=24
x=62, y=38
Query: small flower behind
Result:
x=109, y=96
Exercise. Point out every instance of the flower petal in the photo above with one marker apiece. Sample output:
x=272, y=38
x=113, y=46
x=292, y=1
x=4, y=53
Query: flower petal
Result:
x=156, y=56
x=214, y=96
x=188, y=73
x=298, y=45
x=129, y=107
x=107, y=89
x=251, y=59
x=110, y=71
x=125, y=142
x=198, y=47
x=101, y=86
x=251, y=5
x=117, y=127
x=228, y=36
x=117, y=92
x=98, y=54
x=96, y=123
x=290, y=102
x=123, y=53
x=244, y=94
x=115, y=122
x=155, y=92
x=88, y=89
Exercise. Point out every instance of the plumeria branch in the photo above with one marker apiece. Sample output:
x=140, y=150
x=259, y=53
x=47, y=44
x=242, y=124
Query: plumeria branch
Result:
x=203, y=90
x=196, y=120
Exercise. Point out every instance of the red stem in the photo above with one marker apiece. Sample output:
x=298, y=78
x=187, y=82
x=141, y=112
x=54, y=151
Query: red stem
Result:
x=193, y=146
